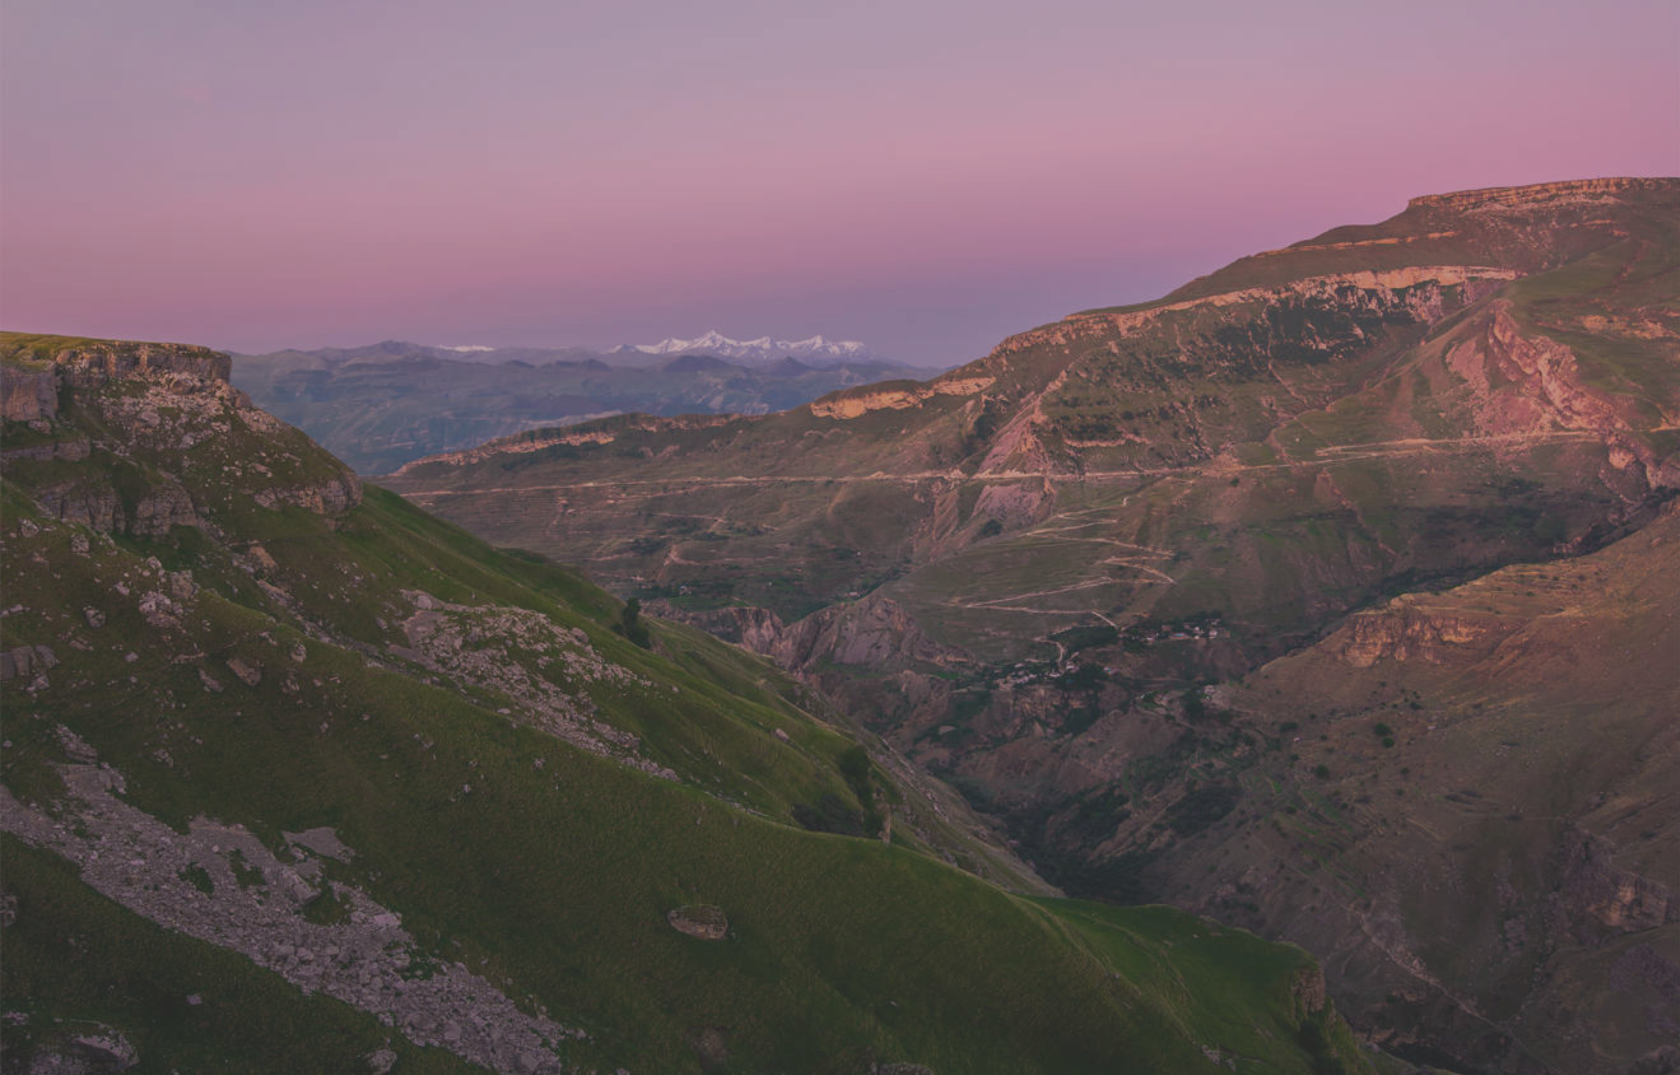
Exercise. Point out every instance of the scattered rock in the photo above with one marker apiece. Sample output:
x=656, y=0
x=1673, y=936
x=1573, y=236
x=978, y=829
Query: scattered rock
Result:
x=700, y=921
x=25, y=662
x=94, y=1052
x=75, y=747
x=248, y=674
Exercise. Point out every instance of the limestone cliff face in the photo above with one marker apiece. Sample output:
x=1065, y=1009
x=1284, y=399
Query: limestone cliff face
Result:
x=856, y=402
x=28, y=395
x=1583, y=191
x=170, y=406
x=95, y=365
x=1520, y=383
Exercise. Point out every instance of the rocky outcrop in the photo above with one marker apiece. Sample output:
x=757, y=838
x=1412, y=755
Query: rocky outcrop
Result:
x=474, y=644
x=1403, y=630
x=700, y=921
x=749, y=627
x=71, y=450
x=71, y=1049
x=26, y=662
x=333, y=497
x=856, y=402
x=173, y=400
x=93, y=365
x=1584, y=191
x=98, y=507
x=875, y=632
x=1598, y=896
x=28, y=395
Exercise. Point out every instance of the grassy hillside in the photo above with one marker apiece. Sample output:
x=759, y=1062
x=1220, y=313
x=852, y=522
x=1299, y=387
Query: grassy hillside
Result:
x=211, y=626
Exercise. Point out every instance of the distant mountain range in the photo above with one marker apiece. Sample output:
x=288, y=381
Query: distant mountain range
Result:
x=815, y=351
x=381, y=405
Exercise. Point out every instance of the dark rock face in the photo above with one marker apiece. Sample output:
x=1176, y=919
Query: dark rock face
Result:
x=28, y=395
x=26, y=662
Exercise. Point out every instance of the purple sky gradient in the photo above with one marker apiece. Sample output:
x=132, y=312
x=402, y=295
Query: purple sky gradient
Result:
x=927, y=177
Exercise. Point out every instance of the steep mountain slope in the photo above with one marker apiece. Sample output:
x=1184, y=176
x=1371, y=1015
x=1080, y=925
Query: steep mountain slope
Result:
x=380, y=407
x=1027, y=573
x=395, y=797
x=1463, y=802
x=1314, y=391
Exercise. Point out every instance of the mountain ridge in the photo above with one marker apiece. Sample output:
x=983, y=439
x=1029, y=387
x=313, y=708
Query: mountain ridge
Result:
x=1041, y=573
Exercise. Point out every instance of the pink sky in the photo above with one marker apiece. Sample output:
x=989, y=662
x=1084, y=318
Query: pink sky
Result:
x=927, y=177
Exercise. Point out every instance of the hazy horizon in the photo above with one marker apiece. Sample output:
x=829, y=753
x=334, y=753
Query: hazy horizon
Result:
x=925, y=178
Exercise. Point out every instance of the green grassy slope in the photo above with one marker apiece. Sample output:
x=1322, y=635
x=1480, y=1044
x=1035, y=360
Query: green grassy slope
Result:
x=276, y=688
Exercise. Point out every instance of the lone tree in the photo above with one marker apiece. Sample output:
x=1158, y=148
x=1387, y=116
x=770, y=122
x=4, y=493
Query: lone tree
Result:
x=630, y=624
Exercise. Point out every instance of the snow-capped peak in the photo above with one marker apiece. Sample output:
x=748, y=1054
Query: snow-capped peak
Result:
x=762, y=349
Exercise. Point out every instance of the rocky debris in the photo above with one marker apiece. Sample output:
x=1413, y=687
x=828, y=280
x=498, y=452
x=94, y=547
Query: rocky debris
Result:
x=260, y=559
x=1017, y=505
x=381, y=1061
x=27, y=662
x=900, y=1068
x=75, y=747
x=68, y=1050
x=321, y=841
x=249, y=674
x=526, y=657
x=700, y=921
x=211, y=683
x=331, y=498
x=159, y=610
x=94, y=617
x=366, y=959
